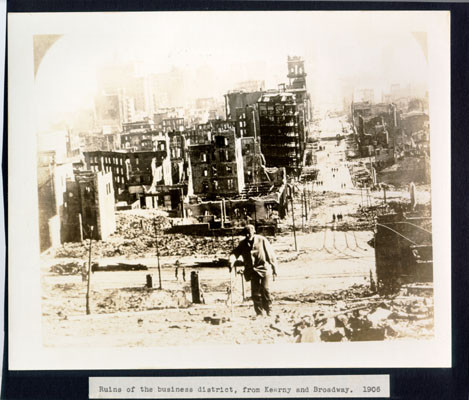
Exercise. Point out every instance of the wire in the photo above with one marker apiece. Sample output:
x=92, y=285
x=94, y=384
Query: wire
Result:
x=417, y=226
x=397, y=233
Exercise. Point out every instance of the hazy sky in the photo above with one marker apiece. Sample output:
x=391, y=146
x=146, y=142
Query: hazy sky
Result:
x=372, y=49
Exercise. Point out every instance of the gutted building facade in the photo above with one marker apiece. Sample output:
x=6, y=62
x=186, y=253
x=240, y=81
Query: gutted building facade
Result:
x=89, y=207
x=279, y=131
x=217, y=167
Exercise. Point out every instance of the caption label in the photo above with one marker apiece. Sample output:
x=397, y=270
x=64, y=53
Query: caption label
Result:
x=239, y=387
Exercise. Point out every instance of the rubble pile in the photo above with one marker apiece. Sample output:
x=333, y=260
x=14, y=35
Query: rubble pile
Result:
x=142, y=244
x=71, y=268
x=109, y=300
x=61, y=300
x=356, y=314
x=133, y=225
x=139, y=299
x=369, y=321
x=353, y=292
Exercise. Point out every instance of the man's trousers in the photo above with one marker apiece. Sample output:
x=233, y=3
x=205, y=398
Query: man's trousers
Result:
x=260, y=293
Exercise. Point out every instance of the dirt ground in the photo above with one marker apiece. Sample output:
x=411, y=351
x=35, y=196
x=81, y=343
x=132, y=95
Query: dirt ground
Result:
x=315, y=297
x=322, y=292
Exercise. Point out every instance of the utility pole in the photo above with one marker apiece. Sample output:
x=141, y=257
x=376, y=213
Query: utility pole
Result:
x=254, y=159
x=158, y=252
x=302, y=212
x=293, y=217
x=89, y=274
x=306, y=204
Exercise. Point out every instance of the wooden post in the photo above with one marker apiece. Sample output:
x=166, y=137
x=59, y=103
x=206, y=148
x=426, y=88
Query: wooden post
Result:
x=242, y=285
x=150, y=283
x=181, y=198
x=302, y=212
x=89, y=274
x=158, y=253
x=231, y=292
x=222, y=212
x=293, y=218
x=81, y=227
x=306, y=204
x=195, y=288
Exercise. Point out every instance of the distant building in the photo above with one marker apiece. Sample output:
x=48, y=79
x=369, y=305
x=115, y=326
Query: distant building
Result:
x=251, y=86
x=364, y=96
x=253, y=160
x=200, y=134
x=247, y=121
x=217, y=167
x=279, y=131
x=135, y=172
x=168, y=89
x=51, y=186
x=172, y=125
x=179, y=155
x=208, y=103
x=239, y=100
x=113, y=109
x=297, y=86
x=89, y=203
x=139, y=136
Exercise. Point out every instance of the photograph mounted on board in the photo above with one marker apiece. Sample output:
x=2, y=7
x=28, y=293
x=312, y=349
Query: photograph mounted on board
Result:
x=260, y=186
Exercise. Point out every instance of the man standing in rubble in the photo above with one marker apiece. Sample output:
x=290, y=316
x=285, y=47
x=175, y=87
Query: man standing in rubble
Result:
x=260, y=264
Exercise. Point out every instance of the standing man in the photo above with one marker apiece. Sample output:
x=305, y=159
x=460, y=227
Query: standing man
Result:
x=260, y=264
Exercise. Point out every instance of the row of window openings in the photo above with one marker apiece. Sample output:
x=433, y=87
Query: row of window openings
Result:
x=216, y=186
x=228, y=170
x=108, y=160
x=224, y=156
x=119, y=179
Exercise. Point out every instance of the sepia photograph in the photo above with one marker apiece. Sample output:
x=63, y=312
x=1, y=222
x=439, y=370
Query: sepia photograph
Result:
x=234, y=180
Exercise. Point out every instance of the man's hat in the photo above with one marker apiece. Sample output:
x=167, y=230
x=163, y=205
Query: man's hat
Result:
x=249, y=229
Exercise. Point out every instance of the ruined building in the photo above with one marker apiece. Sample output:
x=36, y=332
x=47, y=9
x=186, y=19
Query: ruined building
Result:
x=241, y=108
x=89, y=202
x=403, y=250
x=377, y=126
x=279, y=131
x=135, y=172
x=138, y=136
x=52, y=176
x=217, y=167
x=284, y=117
x=239, y=100
x=172, y=124
x=253, y=160
x=297, y=85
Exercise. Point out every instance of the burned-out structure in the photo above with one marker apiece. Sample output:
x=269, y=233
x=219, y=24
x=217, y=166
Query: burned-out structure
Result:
x=297, y=85
x=253, y=160
x=279, y=131
x=377, y=126
x=89, y=210
x=199, y=134
x=179, y=155
x=398, y=141
x=217, y=167
x=134, y=173
x=138, y=136
x=238, y=102
x=403, y=250
x=52, y=177
x=262, y=204
x=172, y=124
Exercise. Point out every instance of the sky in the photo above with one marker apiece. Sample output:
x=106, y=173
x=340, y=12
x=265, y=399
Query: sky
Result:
x=368, y=50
